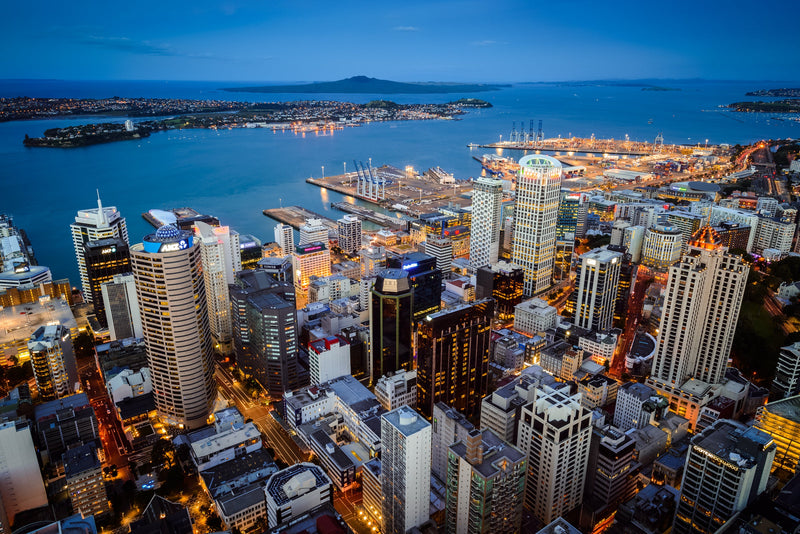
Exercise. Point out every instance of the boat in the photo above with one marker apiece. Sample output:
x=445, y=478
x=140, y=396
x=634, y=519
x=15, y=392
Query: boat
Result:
x=472, y=145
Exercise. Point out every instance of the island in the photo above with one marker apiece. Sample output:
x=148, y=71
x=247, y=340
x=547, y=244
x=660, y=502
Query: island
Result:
x=790, y=105
x=783, y=92
x=367, y=85
x=471, y=103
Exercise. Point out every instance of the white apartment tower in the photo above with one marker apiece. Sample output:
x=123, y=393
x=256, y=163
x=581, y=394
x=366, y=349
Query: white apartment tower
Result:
x=596, y=289
x=219, y=252
x=701, y=306
x=349, y=234
x=555, y=432
x=21, y=486
x=312, y=231
x=484, y=246
x=405, y=470
x=284, y=237
x=171, y=291
x=536, y=213
x=92, y=225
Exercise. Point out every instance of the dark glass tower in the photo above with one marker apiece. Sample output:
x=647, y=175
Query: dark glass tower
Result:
x=425, y=280
x=503, y=283
x=390, y=323
x=104, y=259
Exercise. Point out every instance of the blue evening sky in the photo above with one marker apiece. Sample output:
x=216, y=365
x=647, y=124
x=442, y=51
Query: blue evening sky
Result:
x=500, y=40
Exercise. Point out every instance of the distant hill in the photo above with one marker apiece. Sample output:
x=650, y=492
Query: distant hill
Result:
x=364, y=84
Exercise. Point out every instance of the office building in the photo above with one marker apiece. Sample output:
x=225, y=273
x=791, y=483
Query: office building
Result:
x=397, y=389
x=733, y=235
x=567, y=230
x=313, y=231
x=171, y=292
x=310, y=259
x=425, y=280
x=104, y=259
x=787, y=373
x=536, y=214
x=555, y=434
x=596, y=289
x=349, y=234
x=93, y=225
x=21, y=486
x=781, y=420
x=727, y=468
x=610, y=475
x=633, y=241
x=278, y=268
x=373, y=260
x=701, y=306
x=249, y=250
x=452, y=354
x=405, y=470
x=122, y=307
x=484, y=247
x=328, y=358
x=502, y=282
x=221, y=259
x=284, y=237
x=748, y=218
x=534, y=316
x=688, y=223
x=441, y=248
x=448, y=426
x=485, y=485
x=64, y=423
x=84, y=479
x=295, y=491
x=390, y=324
x=662, y=247
x=53, y=359
x=637, y=406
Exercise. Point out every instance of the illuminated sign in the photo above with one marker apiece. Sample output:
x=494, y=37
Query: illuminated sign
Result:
x=410, y=266
x=22, y=268
x=183, y=244
x=108, y=250
x=249, y=244
x=312, y=249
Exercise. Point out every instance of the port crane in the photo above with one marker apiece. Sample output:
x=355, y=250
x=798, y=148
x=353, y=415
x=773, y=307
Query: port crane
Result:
x=370, y=185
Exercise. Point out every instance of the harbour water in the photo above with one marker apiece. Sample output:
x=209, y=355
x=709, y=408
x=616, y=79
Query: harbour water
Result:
x=235, y=174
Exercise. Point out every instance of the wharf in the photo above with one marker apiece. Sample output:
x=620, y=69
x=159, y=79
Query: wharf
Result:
x=372, y=216
x=588, y=146
x=295, y=216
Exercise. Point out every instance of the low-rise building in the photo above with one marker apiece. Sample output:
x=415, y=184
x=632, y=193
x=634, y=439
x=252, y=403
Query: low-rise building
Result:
x=84, y=478
x=295, y=491
x=534, y=316
x=397, y=389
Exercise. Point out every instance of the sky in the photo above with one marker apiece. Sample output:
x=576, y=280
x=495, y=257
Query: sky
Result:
x=407, y=40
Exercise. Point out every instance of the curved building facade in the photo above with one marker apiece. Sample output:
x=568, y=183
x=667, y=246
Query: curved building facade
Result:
x=536, y=215
x=171, y=291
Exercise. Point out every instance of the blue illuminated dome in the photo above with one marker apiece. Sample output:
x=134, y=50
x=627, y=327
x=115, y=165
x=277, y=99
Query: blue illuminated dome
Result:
x=167, y=232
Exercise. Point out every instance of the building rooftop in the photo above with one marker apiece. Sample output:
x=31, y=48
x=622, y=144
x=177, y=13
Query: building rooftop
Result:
x=495, y=454
x=295, y=481
x=788, y=408
x=559, y=526
x=638, y=390
x=244, y=470
x=734, y=442
x=406, y=420
x=537, y=160
x=19, y=322
x=225, y=440
x=80, y=459
x=64, y=405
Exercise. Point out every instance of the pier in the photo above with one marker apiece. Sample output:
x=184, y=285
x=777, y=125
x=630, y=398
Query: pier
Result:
x=295, y=216
x=372, y=216
x=588, y=146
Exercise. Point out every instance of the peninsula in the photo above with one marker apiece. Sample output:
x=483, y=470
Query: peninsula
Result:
x=789, y=105
x=365, y=84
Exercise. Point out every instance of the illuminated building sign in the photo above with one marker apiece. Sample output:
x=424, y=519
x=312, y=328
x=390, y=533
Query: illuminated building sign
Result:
x=410, y=266
x=22, y=268
x=183, y=244
x=312, y=249
x=108, y=250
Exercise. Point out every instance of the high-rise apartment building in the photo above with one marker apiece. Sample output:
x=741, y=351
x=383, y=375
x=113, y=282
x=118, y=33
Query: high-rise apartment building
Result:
x=53, y=361
x=452, y=353
x=569, y=208
x=727, y=468
x=441, y=248
x=555, y=433
x=405, y=470
x=349, y=234
x=787, y=373
x=84, y=479
x=662, y=247
x=221, y=258
x=310, y=259
x=21, y=486
x=484, y=246
x=171, y=292
x=284, y=237
x=638, y=406
x=122, y=307
x=92, y=225
x=425, y=280
x=390, y=324
x=773, y=233
x=485, y=485
x=314, y=231
x=596, y=289
x=104, y=259
x=536, y=214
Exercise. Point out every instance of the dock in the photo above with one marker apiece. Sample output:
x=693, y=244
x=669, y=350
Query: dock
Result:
x=295, y=216
x=372, y=216
x=588, y=146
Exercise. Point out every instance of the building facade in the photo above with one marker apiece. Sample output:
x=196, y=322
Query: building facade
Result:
x=349, y=234
x=390, y=324
x=122, y=307
x=53, y=359
x=104, y=259
x=21, y=486
x=596, y=289
x=284, y=237
x=662, y=247
x=484, y=247
x=787, y=373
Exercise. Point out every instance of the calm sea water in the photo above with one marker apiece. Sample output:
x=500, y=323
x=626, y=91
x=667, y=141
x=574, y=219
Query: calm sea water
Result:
x=237, y=173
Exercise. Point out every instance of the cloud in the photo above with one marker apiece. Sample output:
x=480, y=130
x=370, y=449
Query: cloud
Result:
x=487, y=42
x=125, y=44
x=406, y=29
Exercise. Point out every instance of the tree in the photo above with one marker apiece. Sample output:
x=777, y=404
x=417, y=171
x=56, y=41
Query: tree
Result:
x=163, y=453
x=214, y=523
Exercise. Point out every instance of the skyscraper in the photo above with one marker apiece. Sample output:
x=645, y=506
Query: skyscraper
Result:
x=219, y=253
x=171, y=292
x=313, y=231
x=104, y=259
x=284, y=237
x=441, y=248
x=555, y=433
x=53, y=361
x=405, y=470
x=425, y=280
x=726, y=469
x=310, y=259
x=122, y=307
x=566, y=231
x=596, y=289
x=536, y=214
x=502, y=282
x=484, y=246
x=349, y=234
x=390, y=324
x=452, y=349
x=662, y=247
x=787, y=373
x=92, y=225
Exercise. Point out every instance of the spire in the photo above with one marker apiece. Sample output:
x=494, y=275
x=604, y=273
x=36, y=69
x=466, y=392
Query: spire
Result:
x=101, y=214
x=707, y=238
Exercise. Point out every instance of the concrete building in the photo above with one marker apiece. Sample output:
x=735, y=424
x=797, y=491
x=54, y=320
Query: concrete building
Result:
x=721, y=214
x=662, y=247
x=397, y=389
x=284, y=237
x=688, y=223
x=371, y=491
x=390, y=324
x=171, y=292
x=485, y=485
x=610, y=475
x=63, y=424
x=536, y=214
x=534, y=316
x=787, y=373
x=484, y=247
x=122, y=307
x=328, y=358
x=633, y=240
x=221, y=259
x=21, y=486
x=637, y=406
x=651, y=511
x=313, y=231
x=441, y=248
x=84, y=479
x=767, y=206
x=555, y=433
x=449, y=426
x=405, y=470
x=349, y=227
x=104, y=259
x=727, y=468
x=773, y=233
x=452, y=355
x=310, y=259
x=92, y=225
x=373, y=261
x=53, y=359
x=781, y=420
x=128, y=383
x=596, y=289
x=295, y=491
x=225, y=444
